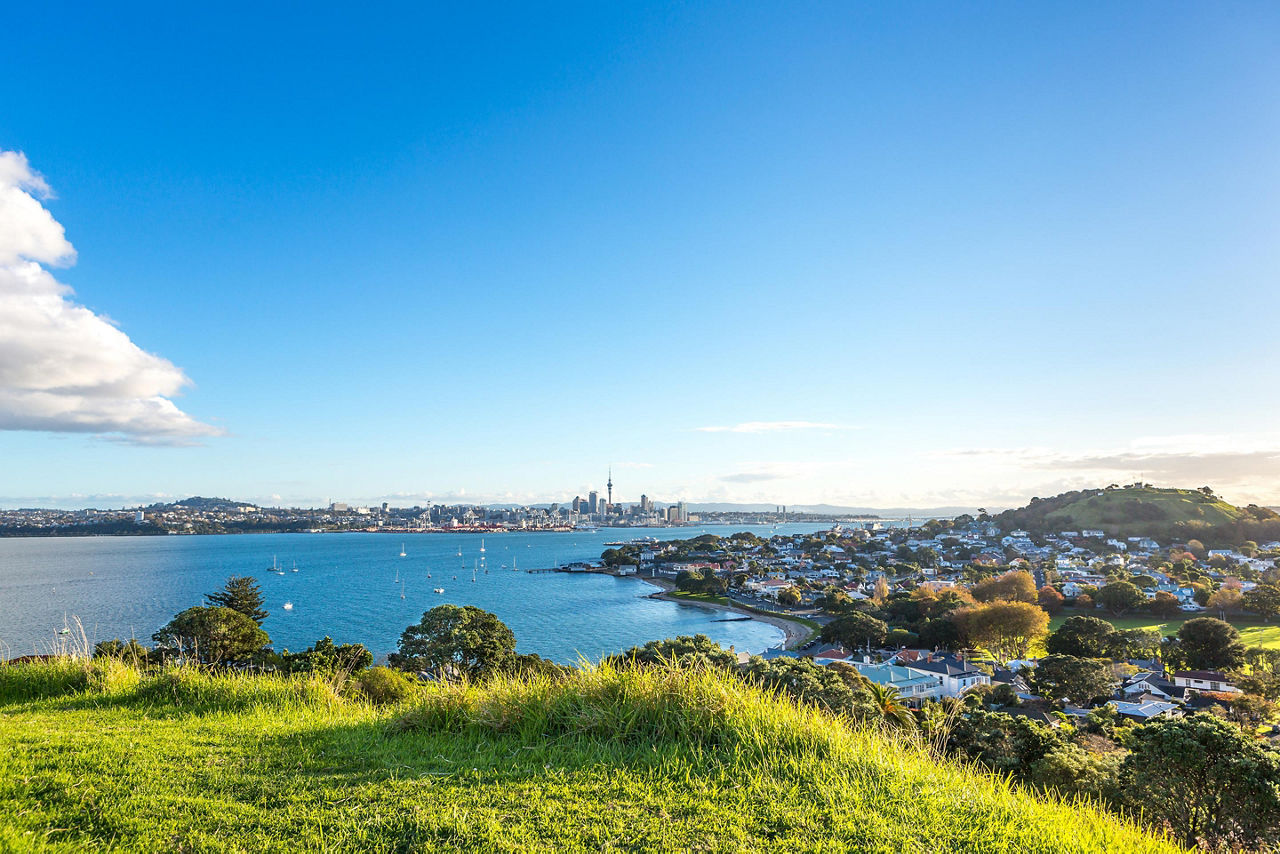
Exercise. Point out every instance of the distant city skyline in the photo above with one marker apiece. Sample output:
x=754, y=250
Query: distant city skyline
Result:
x=864, y=256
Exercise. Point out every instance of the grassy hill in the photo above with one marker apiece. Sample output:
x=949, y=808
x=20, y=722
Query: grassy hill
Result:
x=1138, y=511
x=102, y=758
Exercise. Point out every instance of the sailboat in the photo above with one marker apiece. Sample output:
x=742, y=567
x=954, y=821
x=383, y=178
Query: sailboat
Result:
x=288, y=606
x=397, y=575
x=295, y=567
x=275, y=567
x=402, y=554
x=482, y=545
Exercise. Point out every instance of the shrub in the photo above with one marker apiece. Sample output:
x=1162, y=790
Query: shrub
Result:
x=383, y=686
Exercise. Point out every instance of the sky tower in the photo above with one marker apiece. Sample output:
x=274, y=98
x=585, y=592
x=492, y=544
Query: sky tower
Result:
x=609, y=487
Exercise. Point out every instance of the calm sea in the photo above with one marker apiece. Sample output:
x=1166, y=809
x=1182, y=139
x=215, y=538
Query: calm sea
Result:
x=346, y=587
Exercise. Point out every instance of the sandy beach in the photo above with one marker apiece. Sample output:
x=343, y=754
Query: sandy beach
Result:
x=796, y=633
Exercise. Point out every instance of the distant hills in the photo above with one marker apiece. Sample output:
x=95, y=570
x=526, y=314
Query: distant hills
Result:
x=1167, y=514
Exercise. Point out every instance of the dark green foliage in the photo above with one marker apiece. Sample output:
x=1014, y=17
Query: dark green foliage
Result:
x=131, y=651
x=1079, y=680
x=241, y=593
x=685, y=650
x=1263, y=600
x=855, y=630
x=455, y=641
x=326, y=657
x=1119, y=597
x=1205, y=780
x=1003, y=743
x=212, y=634
x=1206, y=643
x=1083, y=637
x=801, y=679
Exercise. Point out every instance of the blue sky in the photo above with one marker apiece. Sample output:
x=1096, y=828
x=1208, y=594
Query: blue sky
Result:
x=902, y=254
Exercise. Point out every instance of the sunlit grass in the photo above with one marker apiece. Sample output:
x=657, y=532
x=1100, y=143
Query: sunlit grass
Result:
x=605, y=759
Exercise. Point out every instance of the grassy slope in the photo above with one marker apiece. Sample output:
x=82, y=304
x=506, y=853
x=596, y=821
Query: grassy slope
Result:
x=1107, y=510
x=603, y=761
x=1253, y=632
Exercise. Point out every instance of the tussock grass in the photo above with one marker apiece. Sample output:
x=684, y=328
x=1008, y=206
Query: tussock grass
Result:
x=607, y=758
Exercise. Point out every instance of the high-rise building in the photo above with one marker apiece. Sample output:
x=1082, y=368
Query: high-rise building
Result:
x=683, y=512
x=593, y=502
x=645, y=504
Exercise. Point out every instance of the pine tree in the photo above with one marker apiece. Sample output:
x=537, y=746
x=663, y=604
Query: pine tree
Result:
x=241, y=593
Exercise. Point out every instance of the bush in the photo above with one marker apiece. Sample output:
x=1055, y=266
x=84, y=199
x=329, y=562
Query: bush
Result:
x=384, y=686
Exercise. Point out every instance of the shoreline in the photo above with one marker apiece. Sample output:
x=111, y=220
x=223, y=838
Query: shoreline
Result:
x=795, y=633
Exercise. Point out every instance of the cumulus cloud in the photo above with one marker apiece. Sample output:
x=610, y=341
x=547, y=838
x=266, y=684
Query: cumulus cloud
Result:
x=771, y=427
x=64, y=368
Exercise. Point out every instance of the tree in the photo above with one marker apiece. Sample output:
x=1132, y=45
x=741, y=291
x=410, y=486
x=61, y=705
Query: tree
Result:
x=684, y=650
x=1204, y=780
x=1083, y=637
x=241, y=593
x=1119, y=597
x=1209, y=644
x=1079, y=680
x=1013, y=586
x=1225, y=600
x=1005, y=629
x=891, y=712
x=1135, y=643
x=456, y=641
x=212, y=634
x=327, y=657
x=1164, y=604
x=789, y=596
x=855, y=630
x=1049, y=599
x=828, y=688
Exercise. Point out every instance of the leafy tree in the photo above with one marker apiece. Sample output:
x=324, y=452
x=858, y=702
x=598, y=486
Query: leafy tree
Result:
x=789, y=596
x=1164, y=604
x=1264, y=601
x=1079, y=680
x=1119, y=597
x=1204, y=780
x=1249, y=711
x=1225, y=600
x=213, y=634
x=802, y=680
x=684, y=650
x=1209, y=644
x=900, y=638
x=1003, y=743
x=855, y=630
x=1005, y=629
x=1135, y=643
x=327, y=657
x=241, y=593
x=1013, y=586
x=456, y=641
x=938, y=634
x=1082, y=637
x=1070, y=770
x=1049, y=599
x=939, y=600
x=116, y=648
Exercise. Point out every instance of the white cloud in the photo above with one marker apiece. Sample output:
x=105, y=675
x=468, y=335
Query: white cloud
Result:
x=62, y=367
x=772, y=427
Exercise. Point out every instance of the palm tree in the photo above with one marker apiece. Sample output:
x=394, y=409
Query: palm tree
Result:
x=892, y=712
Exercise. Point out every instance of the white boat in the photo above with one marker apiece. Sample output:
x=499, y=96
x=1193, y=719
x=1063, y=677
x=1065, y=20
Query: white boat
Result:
x=295, y=567
x=482, y=545
x=288, y=606
x=438, y=590
x=397, y=575
x=402, y=554
x=275, y=567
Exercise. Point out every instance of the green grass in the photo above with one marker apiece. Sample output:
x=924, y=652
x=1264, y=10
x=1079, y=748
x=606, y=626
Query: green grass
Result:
x=602, y=760
x=1135, y=511
x=1253, y=632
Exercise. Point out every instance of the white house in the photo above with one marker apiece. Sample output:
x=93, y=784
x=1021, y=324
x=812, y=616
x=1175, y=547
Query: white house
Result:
x=1204, y=680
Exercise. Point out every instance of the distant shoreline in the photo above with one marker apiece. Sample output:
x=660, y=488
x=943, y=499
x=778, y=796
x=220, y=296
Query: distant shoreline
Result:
x=795, y=632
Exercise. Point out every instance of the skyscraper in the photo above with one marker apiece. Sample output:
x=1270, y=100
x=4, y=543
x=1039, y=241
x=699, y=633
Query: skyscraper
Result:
x=610, y=487
x=593, y=502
